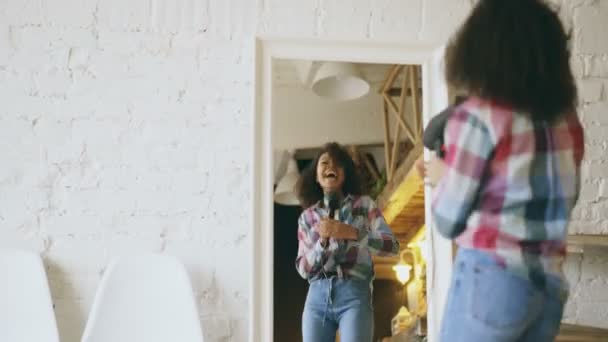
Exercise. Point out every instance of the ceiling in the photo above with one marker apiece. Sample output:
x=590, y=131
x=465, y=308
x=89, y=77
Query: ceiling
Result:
x=285, y=74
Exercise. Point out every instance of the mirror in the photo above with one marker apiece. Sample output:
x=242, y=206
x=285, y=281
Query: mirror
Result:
x=375, y=112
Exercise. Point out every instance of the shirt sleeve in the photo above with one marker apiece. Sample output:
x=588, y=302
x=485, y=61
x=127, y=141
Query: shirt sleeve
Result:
x=469, y=145
x=379, y=240
x=311, y=255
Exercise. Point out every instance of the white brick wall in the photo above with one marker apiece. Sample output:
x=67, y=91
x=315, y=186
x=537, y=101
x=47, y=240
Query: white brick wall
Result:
x=125, y=126
x=588, y=274
x=588, y=288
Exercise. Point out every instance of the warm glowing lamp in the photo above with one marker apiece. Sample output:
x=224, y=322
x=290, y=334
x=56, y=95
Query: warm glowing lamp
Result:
x=402, y=269
x=403, y=272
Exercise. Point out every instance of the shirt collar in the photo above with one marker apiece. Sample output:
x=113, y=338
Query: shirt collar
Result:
x=347, y=199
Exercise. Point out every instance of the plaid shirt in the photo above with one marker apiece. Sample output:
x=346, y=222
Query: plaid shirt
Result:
x=346, y=258
x=510, y=186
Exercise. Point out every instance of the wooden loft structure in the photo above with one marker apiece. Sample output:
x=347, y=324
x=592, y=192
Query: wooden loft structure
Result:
x=402, y=199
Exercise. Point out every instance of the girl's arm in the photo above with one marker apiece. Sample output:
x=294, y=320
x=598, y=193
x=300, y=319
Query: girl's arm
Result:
x=380, y=240
x=311, y=254
x=469, y=146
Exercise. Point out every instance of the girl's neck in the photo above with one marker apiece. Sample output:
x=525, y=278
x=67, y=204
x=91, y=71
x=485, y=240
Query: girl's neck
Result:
x=332, y=195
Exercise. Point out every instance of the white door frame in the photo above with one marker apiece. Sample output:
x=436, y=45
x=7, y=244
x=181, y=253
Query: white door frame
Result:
x=435, y=99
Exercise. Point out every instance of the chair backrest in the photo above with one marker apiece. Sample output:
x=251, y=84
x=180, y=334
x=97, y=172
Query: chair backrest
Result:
x=144, y=298
x=26, y=308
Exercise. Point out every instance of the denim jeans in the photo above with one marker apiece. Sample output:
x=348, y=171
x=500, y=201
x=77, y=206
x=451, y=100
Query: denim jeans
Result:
x=487, y=303
x=334, y=303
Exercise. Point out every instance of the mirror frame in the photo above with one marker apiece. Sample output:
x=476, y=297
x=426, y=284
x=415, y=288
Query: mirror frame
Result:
x=435, y=99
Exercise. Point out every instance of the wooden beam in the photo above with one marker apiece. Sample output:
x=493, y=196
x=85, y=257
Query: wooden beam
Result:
x=402, y=200
x=418, y=92
x=578, y=333
x=395, y=92
x=415, y=112
x=404, y=89
x=400, y=114
x=406, y=196
x=395, y=149
x=392, y=75
x=373, y=170
x=400, y=174
x=387, y=142
x=392, y=103
x=400, y=121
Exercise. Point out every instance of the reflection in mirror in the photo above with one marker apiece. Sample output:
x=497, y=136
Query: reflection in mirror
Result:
x=374, y=112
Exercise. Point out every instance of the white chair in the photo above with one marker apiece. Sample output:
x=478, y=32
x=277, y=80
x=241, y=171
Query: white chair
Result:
x=26, y=308
x=144, y=298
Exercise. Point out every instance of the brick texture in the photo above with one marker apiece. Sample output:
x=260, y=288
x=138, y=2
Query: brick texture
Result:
x=125, y=126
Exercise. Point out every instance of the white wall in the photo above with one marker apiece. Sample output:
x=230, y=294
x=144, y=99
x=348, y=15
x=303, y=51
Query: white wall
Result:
x=588, y=274
x=304, y=120
x=126, y=126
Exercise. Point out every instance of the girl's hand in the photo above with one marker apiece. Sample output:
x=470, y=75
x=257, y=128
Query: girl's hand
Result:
x=434, y=169
x=420, y=167
x=329, y=228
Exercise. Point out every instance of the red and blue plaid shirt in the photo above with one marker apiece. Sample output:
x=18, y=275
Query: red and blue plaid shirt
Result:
x=510, y=185
x=344, y=258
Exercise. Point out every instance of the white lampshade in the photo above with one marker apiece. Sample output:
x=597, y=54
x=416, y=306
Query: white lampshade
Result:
x=285, y=190
x=339, y=81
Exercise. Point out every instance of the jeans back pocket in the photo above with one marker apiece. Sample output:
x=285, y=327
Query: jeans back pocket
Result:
x=502, y=300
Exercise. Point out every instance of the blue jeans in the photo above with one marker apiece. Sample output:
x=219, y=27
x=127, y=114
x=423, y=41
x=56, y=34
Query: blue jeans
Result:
x=487, y=303
x=333, y=304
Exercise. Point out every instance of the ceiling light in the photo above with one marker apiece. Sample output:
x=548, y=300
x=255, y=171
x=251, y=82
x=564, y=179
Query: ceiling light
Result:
x=339, y=81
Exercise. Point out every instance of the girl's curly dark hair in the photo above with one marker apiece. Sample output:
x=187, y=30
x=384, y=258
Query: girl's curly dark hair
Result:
x=514, y=52
x=308, y=189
